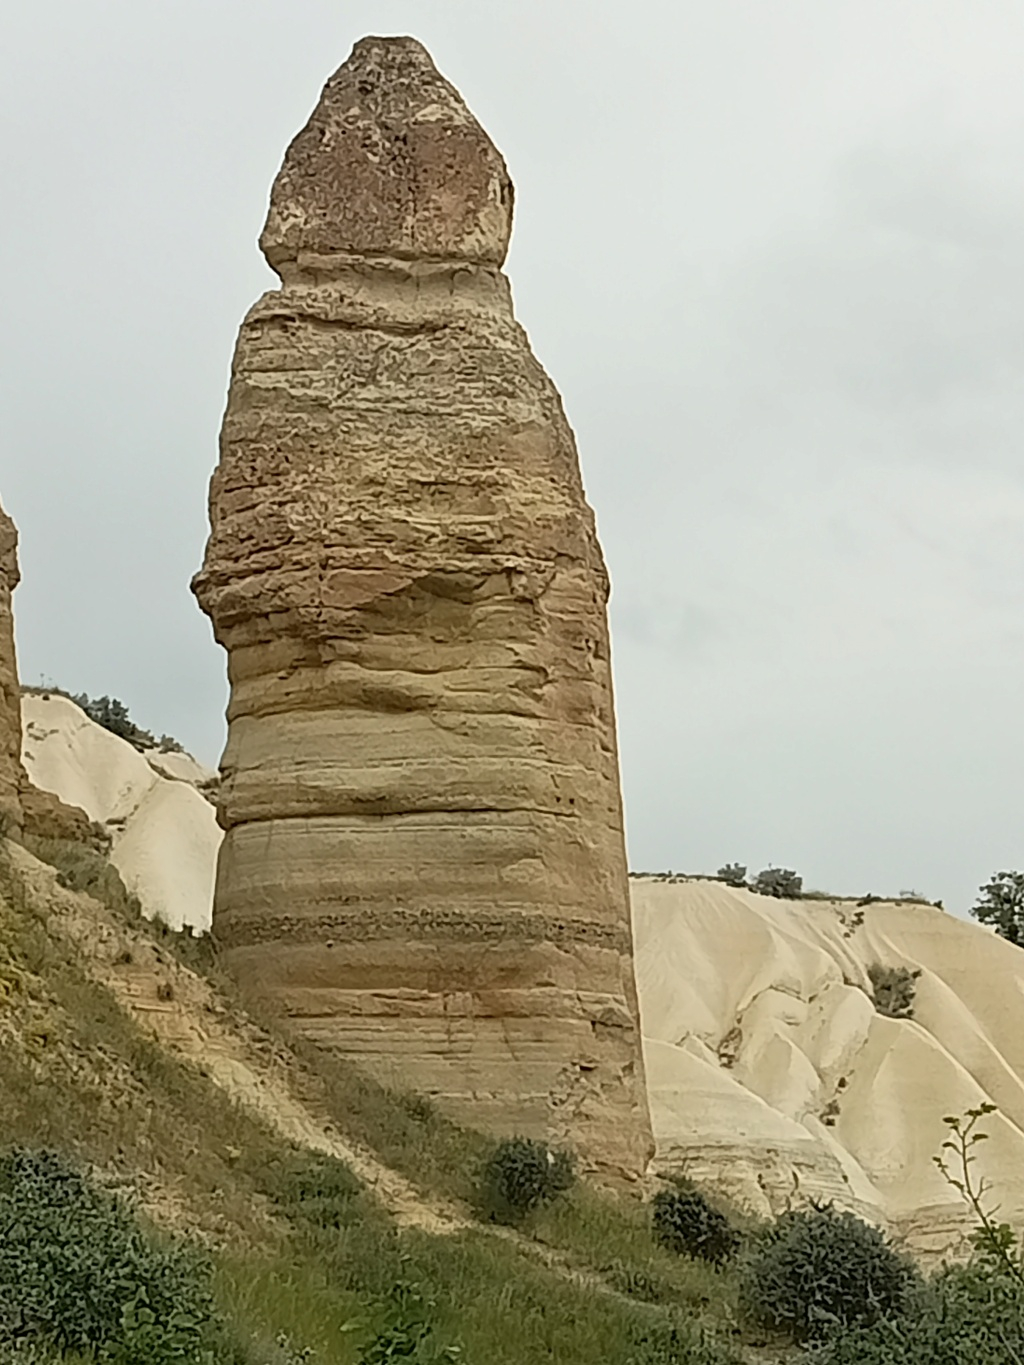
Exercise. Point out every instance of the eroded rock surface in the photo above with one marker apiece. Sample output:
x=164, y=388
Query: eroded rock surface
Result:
x=774, y=1076
x=151, y=811
x=424, y=860
x=10, y=693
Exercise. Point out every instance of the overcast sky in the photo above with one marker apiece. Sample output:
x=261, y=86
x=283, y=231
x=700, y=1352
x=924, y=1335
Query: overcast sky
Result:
x=772, y=255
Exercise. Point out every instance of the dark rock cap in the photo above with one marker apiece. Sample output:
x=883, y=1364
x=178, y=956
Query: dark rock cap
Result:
x=390, y=164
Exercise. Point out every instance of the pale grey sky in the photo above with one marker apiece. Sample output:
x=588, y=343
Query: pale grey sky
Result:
x=773, y=256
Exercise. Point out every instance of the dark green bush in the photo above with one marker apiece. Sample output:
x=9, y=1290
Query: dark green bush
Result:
x=1001, y=904
x=781, y=882
x=816, y=1271
x=893, y=990
x=966, y=1315
x=77, y=1272
x=29, y=1355
x=520, y=1176
x=684, y=1221
x=113, y=716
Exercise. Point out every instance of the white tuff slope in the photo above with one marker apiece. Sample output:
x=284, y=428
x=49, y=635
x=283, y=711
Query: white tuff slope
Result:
x=164, y=830
x=771, y=1074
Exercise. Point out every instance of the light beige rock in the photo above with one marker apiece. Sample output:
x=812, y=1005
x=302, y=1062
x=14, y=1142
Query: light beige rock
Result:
x=424, y=860
x=772, y=1075
x=10, y=694
x=150, y=808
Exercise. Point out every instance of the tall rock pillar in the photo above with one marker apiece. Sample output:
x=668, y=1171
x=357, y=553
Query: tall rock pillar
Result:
x=424, y=861
x=11, y=774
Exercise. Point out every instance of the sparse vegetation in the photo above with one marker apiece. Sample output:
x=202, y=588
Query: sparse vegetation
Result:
x=733, y=874
x=310, y=1261
x=893, y=990
x=81, y=868
x=1000, y=903
x=781, y=882
x=685, y=1221
x=113, y=715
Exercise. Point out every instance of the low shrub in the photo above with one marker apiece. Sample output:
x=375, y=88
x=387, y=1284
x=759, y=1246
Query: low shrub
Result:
x=410, y=1333
x=967, y=1313
x=685, y=1221
x=781, y=882
x=30, y=1355
x=816, y=1271
x=314, y=1189
x=77, y=1273
x=893, y=990
x=733, y=874
x=520, y=1176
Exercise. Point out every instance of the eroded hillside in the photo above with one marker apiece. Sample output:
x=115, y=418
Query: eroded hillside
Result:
x=773, y=1074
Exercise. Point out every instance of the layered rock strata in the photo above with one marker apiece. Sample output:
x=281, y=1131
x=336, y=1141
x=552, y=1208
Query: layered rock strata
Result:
x=423, y=861
x=11, y=775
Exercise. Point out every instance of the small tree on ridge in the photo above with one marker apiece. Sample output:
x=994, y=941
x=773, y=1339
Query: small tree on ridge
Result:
x=1001, y=904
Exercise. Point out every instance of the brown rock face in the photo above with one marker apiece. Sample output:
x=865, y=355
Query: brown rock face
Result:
x=11, y=775
x=24, y=809
x=424, y=860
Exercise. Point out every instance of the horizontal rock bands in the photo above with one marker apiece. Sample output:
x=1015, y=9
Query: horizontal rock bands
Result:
x=363, y=925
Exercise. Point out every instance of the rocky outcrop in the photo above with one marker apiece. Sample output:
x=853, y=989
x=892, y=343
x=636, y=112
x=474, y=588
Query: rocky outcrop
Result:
x=10, y=693
x=424, y=860
x=25, y=811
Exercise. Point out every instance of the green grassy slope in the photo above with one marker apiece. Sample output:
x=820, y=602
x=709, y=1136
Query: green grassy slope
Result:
x=303, y=1253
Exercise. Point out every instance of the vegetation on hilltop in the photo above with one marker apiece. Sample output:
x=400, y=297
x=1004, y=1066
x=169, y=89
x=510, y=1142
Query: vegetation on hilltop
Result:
x=113, y=715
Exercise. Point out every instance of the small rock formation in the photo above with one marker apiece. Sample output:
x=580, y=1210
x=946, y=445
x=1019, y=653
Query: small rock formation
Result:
x=11, y=775
x=424, y=860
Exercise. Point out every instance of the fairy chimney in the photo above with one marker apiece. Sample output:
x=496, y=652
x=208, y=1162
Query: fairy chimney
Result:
x=423, y=863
